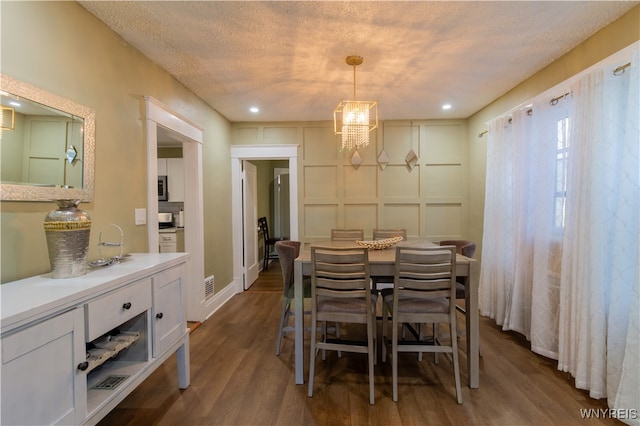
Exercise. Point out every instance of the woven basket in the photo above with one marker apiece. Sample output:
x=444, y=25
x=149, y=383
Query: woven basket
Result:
x=380, y=244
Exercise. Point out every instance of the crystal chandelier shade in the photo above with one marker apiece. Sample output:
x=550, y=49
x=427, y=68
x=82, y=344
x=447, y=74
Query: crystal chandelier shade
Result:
x=354, y=120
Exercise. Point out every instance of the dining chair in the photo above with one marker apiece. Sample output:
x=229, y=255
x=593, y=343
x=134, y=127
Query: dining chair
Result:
x=347, y=235
x=344, y=235
x=467, y=249
x=380, y=234
x=341, y=293
x=269, y=242
x=288, y=251
x=423, y=292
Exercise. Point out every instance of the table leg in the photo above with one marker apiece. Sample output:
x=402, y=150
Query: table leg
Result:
x=182, y=356
x=472, y=322
x=298, y=306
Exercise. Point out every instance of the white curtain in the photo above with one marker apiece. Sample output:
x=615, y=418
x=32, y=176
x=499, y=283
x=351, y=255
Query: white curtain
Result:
x=520, y=271
x=562, y=267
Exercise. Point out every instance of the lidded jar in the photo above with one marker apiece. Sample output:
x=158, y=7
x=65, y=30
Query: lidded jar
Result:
x=68, y=229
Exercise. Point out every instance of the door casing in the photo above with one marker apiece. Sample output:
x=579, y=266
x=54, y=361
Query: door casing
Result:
x=258, y=152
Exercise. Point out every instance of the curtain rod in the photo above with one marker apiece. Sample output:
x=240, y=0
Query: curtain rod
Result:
x=554, y=101
x=528, y=112
x=621, y=68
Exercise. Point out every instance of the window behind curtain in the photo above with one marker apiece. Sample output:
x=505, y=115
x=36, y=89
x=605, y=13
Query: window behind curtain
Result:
x=562, y=155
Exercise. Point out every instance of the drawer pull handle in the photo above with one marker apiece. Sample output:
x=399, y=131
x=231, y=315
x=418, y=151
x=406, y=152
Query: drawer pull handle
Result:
x=159, y=315
x=127, y=306
x=83, y=366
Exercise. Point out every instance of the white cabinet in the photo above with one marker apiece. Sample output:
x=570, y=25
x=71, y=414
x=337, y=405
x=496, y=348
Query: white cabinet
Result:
x=168, y=320
x=72, y=349
x=41, y=382
x=174, y=170
x=168, y=242
x=162, y=167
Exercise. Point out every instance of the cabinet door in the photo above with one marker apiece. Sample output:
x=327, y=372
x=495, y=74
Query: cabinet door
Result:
x=168, y=316
x=41, y=382
x=162, y=166
x=175, y=177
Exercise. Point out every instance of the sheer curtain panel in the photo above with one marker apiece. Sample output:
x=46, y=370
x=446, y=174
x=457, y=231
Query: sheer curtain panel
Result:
x=561, y=241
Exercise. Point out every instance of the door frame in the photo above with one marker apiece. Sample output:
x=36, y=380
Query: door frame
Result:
x=191, y=136
x=250, y=211
x=258, y=152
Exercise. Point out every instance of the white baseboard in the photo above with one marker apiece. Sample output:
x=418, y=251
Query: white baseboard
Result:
x=219, y=299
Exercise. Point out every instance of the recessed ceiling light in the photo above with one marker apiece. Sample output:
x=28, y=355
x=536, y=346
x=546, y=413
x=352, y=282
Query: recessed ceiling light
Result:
x=254, y=110
x=446, y=106
x=14, y=103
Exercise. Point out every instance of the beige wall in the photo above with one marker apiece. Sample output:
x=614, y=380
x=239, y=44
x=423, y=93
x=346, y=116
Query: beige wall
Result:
x=65, y=50
x=618, y=35
x=62, y=48
x=428, y=200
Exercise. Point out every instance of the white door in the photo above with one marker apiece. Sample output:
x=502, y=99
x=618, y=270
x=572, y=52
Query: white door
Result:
x=250, y=213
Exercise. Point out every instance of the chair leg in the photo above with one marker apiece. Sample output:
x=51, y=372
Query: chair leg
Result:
x=385, y=314
x=436, y=358
x=371, y=357
x=324, y=338
x=283, y=319
x=394, y=360
x=420, y=337
x=312, y=358
x=374, y=321
x=265, y=261
x=456, y=367
x=337, y=337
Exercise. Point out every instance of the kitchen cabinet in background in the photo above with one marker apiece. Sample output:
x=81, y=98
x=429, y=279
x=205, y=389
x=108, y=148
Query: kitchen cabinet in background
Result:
x=174, y=170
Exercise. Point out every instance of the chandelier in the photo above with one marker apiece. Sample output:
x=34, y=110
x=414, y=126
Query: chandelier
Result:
x=355, y=119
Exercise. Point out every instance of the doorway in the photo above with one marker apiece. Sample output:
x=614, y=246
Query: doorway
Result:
x=281, y=202
x=258, y=152
x=160, y=119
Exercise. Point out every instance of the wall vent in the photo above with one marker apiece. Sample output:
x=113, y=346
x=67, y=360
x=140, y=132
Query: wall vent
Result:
x=208, y=287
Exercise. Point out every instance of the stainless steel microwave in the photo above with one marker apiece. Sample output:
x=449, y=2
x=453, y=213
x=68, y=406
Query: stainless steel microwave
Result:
x=163, y=191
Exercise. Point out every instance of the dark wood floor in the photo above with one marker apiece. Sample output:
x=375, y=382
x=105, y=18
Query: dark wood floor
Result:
x=236, y=379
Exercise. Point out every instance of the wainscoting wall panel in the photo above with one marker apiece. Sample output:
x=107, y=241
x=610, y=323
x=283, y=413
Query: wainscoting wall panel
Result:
x=430, y=200
x=363, y=216
x=360, y=183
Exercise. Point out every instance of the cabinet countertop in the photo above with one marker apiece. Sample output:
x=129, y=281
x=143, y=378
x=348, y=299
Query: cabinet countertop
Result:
x=36, y=297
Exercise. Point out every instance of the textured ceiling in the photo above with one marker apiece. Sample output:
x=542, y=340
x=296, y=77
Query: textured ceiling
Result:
x=287, y=58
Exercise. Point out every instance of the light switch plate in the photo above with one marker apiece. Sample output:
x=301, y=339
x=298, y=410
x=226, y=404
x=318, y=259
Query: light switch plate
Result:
x=141, y=216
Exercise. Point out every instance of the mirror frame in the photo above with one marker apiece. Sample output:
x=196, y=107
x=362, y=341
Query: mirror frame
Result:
x=26, y=192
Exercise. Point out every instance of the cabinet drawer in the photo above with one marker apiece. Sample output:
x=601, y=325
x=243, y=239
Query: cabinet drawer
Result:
x=110, y=311
x=168, y=237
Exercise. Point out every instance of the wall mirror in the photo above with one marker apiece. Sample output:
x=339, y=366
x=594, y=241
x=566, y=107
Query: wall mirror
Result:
x=47, y=143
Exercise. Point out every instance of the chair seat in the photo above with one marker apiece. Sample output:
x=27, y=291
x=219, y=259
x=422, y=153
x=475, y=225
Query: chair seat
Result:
x=414, y=305
x=353, y=306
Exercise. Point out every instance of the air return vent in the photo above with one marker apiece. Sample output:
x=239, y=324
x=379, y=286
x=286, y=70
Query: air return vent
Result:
x=208, y=287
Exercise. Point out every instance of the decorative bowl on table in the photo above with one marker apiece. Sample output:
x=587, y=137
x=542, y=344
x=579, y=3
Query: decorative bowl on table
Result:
x=380, y=244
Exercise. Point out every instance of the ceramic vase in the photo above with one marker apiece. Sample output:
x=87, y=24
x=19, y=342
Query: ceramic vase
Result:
x=68, y=229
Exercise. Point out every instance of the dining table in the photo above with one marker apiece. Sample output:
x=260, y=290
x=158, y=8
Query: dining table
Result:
x=382, y=264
